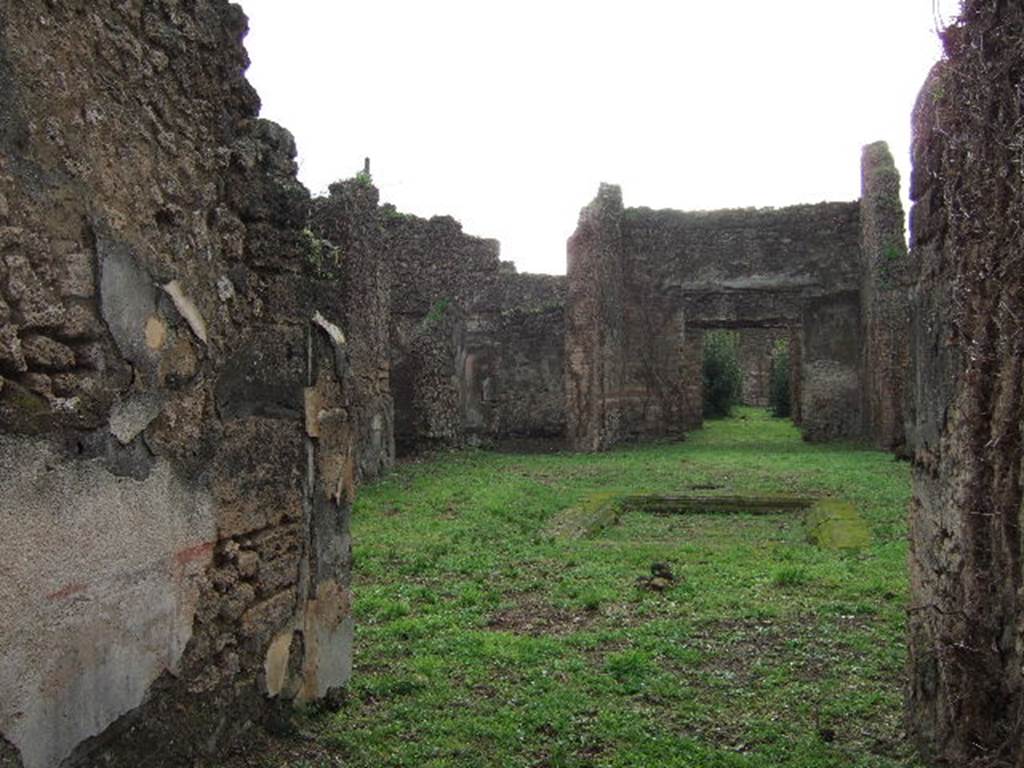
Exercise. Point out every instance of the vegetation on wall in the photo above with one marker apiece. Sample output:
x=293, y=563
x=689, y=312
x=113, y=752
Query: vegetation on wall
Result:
x=723, y=379
x=779, y=396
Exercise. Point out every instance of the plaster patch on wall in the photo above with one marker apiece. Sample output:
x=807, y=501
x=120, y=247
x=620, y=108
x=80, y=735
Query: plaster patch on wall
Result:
x=187, y=308
x=99, y=581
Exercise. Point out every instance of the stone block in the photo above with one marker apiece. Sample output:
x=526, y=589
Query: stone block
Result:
x=268, y=617
x=257, y=475
x=80, y=323
x=12, y=357
x=47, y=354
x=77, y=278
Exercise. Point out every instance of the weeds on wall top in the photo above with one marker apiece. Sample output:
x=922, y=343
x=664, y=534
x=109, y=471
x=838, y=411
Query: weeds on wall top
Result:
x=323, y=256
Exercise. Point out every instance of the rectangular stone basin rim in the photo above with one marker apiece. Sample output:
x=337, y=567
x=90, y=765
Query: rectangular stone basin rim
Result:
x=661, y=504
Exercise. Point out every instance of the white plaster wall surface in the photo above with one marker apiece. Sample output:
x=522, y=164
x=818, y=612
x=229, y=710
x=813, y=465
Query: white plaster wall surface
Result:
x=99, y=579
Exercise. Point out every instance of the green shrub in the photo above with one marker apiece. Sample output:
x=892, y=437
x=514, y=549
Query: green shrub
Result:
x=779, y=397
x=723, y=380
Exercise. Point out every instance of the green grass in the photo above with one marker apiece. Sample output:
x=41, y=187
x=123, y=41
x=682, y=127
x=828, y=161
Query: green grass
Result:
x=486, y=638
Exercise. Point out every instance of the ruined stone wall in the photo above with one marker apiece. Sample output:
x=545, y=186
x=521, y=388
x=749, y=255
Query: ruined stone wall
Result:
x=885, y=295
x=477, y=352
x=831, y=360
x=515, y=359
x=750, y=269
x=349, y=245
x=175, y=394
x=594, y=325
x=965, y=617
x=674, y=274
x=436, y=274
x=832, y=277
x=754, y=355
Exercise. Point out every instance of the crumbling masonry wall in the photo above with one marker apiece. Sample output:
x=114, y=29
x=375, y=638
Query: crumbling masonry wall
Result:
x=178, y=409
x=476, y=350
x=644, y=285
x=594, y=325
x=648, y=283
x=754, y=354
x=965, y=617
x=889, y=275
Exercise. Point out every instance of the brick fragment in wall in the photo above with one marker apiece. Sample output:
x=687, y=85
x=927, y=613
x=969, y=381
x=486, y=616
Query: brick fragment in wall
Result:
x=80, y=323
x=37, y=305
x=184, y=428
x=39, y=383
x=248, y=564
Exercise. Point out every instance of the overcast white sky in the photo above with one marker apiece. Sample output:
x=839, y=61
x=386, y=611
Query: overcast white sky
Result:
x=507, y=115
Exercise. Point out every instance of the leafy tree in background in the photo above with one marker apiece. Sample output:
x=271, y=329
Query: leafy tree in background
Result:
x=778, y=385
x=723, y=379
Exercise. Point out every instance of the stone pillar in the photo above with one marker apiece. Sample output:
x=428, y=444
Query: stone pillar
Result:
x=356, y=255
x=830, y=375
x=594, y=324
x=754, y=354
x=796, y=340
x=888, y=275
x=966, y=697
x=691, y=377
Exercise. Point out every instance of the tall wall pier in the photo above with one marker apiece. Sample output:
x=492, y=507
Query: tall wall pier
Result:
x=644, y=286
x=965, y=620
x=178, y=411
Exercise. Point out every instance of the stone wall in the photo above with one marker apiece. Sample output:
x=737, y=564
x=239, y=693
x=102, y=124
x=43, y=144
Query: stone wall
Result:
x=646, y=284
x=477, y=349
x=965, y=618
x=594, y=325
x=349, y=247
x=754, y=354
x=888, y=276
x=177, y=406
x=515, y=359
x=831, y=372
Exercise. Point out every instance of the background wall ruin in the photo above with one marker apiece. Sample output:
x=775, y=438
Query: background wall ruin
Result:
x=476, y=350
x=966, y=234
x=754, y=353
x=644, y=285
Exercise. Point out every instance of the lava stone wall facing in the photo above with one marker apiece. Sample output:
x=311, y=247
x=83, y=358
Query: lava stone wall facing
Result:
x=888, y=277
x=350, y=248
x=177, y=443
x=595, y=325
x=967, y=235
x=657, y=279
x=515, y=359
x=436, y=273
x=754, y=354
x=477, y=350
